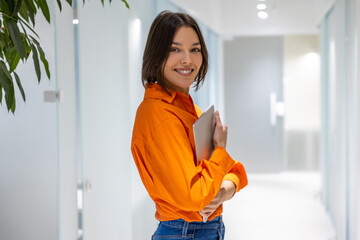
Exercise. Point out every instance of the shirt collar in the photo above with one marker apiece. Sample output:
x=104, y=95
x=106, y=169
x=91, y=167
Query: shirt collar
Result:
x=178, y=99
x=155, y=91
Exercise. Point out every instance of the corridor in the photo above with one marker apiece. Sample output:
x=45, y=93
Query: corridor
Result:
x=288, y=88
x=283, y=206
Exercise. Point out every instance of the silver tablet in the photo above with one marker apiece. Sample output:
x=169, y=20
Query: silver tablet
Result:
x=203, y=134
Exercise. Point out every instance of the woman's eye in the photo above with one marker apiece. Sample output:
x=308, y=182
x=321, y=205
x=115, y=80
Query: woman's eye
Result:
x=196, y=50
x=174, y=50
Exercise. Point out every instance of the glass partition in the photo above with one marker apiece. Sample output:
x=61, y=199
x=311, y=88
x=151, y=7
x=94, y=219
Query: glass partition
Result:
x=29, y=183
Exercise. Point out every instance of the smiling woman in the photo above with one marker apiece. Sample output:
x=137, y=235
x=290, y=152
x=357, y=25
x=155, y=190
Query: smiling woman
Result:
x=163, y=47
x=186, y=192
x=184, y=61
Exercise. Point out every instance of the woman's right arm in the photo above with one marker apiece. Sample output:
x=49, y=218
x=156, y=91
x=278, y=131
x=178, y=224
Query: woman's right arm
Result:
x=166, y=165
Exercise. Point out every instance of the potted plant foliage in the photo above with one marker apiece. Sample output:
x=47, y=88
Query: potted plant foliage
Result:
x=18, y=41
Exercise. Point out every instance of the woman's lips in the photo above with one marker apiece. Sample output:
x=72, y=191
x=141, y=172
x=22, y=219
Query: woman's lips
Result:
x=184, y=72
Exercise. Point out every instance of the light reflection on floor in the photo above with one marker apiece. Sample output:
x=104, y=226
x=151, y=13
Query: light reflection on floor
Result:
x=284, y=206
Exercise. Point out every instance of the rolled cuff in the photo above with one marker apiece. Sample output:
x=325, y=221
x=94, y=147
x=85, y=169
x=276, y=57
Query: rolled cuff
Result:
x=233, y=178
x=221, y=158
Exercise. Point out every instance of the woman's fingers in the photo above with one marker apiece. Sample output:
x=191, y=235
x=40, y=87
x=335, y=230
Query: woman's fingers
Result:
x=217, y=118
x=206, y=214
x=220, y=133
x=213, y=205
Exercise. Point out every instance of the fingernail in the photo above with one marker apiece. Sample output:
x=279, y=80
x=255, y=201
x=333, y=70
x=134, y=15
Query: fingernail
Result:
x=204, y=219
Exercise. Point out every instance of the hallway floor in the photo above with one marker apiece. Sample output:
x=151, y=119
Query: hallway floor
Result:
x=284, y=206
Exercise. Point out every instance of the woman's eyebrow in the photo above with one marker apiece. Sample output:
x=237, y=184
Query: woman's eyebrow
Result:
x=179, y=44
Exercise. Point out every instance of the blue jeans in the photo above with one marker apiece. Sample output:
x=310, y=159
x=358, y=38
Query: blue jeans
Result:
x=180, y=229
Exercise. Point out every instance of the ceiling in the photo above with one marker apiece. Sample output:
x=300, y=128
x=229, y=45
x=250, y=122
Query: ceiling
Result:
x=231, y=18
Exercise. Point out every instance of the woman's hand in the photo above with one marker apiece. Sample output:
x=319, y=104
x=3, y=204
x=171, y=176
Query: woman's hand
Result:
x=226, y=192
x=220, y=133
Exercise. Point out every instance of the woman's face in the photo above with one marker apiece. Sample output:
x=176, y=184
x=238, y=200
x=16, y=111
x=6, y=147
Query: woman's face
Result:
x=184, y=61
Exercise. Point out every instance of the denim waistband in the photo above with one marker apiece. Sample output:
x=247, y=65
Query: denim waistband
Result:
x=180, y=223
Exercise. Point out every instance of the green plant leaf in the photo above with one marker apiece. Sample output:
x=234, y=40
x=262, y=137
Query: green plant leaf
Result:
x=10, y=99
x=24, y=11
x=28, y=26
x=14, y=59
x=32, y=10
x=7, y=91
x=16, y=37
x=36, y=62
x=7, y=84
x=125, y=2
x=4, y=6
x=44, y=61
x=4, y=76
x=42, y=56
x=4, y=81
x=18, y=82
x=69, y=2
x=1, y=92
x=2, y=41
x=59, y=4
x=12, y=103
x=45, y=9
x=34, y=40
x=17, y=7
x=27, y=48
x=11, y=6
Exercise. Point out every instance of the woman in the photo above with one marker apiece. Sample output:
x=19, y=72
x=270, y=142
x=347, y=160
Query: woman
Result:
x=185, y=192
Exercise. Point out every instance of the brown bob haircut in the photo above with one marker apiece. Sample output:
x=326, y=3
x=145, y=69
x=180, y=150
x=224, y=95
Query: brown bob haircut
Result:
x=159, y=44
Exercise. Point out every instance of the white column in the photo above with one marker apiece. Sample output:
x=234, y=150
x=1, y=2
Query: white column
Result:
x=65, y=77
x=358, y=118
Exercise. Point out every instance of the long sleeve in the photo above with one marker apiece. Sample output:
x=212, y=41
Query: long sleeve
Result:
x=238, y=176
x=166, y=164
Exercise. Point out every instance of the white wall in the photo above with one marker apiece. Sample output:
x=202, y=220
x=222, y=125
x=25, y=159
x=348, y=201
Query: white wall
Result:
x=356, y=149
x=110, y=63
x=302, y=101
x=322, y=8
x=340, y=119
x=40, y=178
x=67, y=143
x=335, y=126
x=28, y=157
x=302, y=82
x=212, y=16
x=353, y=99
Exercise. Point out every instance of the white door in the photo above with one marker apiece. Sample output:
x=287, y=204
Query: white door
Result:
x=253, y=86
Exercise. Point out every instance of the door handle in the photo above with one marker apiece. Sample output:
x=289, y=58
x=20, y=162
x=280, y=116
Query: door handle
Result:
x=53, y=96
x=273, y=109
x=276, y=109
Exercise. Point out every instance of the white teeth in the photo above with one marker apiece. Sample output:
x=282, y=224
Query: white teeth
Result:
x=184, y=71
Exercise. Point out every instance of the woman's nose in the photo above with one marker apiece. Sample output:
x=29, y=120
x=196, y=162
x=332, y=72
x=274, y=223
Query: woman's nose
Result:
x=186, y=58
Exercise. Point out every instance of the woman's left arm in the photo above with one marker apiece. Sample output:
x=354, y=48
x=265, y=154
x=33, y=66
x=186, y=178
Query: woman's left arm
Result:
x=235, y=180
x=226, y=192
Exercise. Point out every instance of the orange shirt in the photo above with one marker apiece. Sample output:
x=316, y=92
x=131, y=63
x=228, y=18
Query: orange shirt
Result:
x=164, y=152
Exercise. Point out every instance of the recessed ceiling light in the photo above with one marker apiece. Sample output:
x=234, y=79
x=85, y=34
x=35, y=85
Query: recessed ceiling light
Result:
x=261, y=6
x=263, y=15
